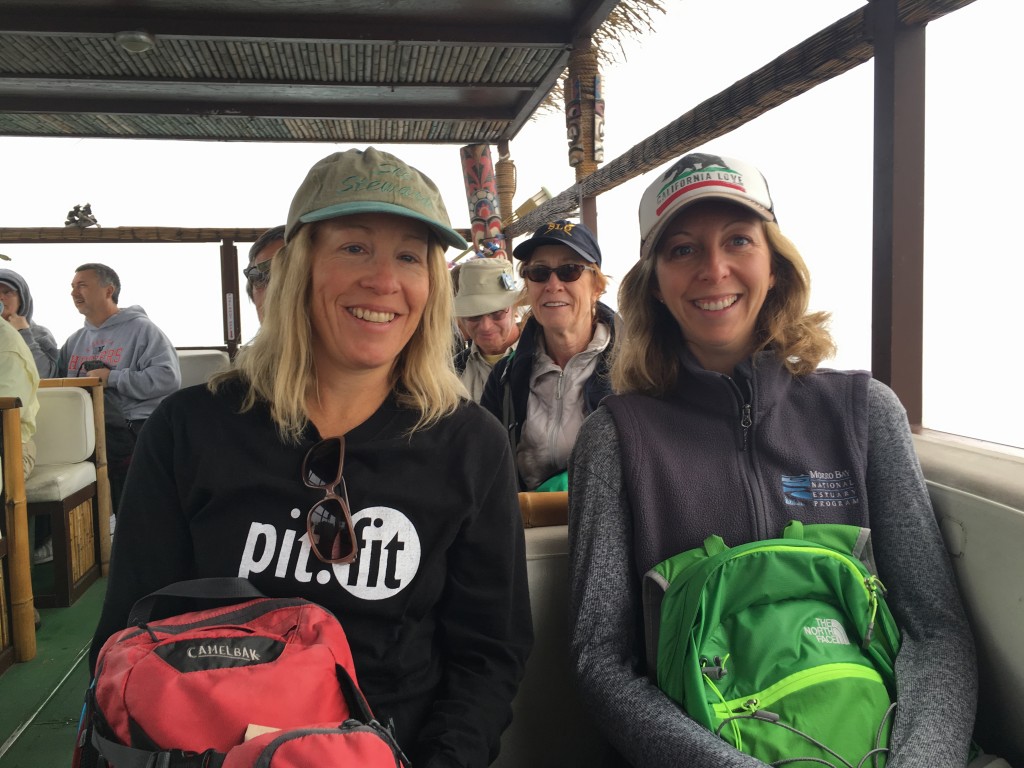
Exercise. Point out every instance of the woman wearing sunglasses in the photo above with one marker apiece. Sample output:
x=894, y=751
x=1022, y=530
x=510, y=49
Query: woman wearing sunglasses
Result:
x=339, y=461
x=723, y=424
x=559, y=371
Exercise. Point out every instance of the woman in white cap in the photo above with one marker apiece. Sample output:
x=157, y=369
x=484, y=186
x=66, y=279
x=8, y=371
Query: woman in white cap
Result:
x=720, y=405
x=558, y=372
x=417, y=545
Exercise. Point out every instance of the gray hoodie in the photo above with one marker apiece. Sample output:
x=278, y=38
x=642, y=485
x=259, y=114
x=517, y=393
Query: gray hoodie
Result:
x=40, y=341
x=143, y=362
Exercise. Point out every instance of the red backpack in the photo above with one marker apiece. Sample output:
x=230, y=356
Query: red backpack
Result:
x=263, y=682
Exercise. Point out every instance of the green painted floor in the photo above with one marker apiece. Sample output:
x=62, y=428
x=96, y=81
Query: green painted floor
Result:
x=41, y=700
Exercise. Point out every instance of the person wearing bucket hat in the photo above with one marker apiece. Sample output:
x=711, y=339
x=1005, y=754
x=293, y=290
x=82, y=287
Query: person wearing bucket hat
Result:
x=558, y=372
x=722, y=423
x=346, y=404
x=485, y=307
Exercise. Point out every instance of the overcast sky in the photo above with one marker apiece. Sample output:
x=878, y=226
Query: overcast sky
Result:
x=815, y=152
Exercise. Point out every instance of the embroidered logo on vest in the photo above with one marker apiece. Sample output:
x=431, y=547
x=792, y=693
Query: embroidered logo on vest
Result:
x=834, y=488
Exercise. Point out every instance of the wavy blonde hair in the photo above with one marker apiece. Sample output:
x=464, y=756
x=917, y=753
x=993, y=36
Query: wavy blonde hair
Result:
x=647, y=359
x=278, y=364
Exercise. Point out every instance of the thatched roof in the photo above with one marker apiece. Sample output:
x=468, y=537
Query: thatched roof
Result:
x=447, y=71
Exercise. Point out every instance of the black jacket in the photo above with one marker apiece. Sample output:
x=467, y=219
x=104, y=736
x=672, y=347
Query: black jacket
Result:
x=436, y=609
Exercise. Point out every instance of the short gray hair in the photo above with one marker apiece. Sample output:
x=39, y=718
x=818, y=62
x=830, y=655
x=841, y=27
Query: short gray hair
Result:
x=106, y=275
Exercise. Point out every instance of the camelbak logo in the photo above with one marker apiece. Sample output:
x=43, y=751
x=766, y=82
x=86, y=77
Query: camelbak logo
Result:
x=219, y=653
x=828, y=631
x=224, y=651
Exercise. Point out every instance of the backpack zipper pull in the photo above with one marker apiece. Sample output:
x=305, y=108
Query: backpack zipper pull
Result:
x=751, y=706
x=874, y=586
x=716, y=671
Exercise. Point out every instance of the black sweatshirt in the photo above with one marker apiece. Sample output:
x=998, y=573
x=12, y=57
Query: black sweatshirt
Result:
x=436, y=609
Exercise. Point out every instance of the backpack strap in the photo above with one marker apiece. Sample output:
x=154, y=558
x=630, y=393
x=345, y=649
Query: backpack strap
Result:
x=130, y=757
x=226, y=588
x=714, y=545
x=851, y=539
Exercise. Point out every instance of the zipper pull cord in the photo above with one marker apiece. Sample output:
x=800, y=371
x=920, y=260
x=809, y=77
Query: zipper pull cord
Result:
x=746, y=420
x=874, y=586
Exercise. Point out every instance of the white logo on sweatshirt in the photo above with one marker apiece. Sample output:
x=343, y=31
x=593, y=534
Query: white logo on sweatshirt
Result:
x=389, y=554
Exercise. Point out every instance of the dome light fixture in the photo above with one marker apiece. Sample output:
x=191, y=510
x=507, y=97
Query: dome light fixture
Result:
x=135, y=41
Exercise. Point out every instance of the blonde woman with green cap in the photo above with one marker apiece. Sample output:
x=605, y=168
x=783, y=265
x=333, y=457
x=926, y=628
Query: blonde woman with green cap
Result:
x=339, y=461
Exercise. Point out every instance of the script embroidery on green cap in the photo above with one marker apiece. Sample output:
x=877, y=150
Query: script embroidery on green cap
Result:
x=355, y=183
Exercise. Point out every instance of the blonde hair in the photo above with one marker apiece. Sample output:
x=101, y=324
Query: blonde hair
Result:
x=647, y=358
x=278, y=364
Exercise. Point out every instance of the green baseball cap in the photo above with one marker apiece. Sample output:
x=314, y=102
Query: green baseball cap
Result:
x=370, y=181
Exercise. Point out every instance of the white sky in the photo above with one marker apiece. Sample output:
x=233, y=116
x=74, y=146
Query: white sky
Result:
x=815, y=152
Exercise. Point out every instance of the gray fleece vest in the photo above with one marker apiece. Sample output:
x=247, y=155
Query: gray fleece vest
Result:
x=742, y=456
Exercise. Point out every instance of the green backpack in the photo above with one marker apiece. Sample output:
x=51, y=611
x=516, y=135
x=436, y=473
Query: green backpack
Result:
x=784, y=648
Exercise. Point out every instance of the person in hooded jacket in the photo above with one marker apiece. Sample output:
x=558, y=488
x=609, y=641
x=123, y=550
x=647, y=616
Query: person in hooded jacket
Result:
x=18, y=310
x=558, y=373
x=16, y=300
x=134, y=359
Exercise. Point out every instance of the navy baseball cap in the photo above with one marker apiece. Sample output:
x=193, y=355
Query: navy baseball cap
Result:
x=562, y=232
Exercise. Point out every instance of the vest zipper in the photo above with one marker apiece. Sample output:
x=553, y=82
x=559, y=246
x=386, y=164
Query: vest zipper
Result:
x=746, y=422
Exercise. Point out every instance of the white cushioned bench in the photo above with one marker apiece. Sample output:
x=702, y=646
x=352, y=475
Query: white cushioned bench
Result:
x=63, y=486
x=198, y=365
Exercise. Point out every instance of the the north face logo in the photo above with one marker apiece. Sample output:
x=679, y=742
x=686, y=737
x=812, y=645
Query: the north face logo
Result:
x=828, y=631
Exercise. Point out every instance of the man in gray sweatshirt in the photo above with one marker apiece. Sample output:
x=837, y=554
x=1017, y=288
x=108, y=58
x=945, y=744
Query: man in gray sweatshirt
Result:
x=134, y=359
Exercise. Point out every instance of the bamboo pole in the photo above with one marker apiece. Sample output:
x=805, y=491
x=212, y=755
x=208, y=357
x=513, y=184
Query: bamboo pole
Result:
x=505, y=176
x=16, y=510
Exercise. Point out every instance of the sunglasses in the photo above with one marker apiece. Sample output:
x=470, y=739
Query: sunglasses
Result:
x=567, y=273
x=258, y=274
x=332, y=536
x=496, y=316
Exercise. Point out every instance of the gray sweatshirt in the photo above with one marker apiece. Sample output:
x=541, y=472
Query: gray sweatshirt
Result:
x=935, y=670
x=143, y=362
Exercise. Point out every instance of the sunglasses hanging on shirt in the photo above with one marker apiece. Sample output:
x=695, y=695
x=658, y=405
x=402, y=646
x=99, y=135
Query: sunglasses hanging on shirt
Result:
x=332, y=535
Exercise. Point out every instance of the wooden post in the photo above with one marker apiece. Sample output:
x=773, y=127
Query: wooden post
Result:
x=231, y=296
x=482, y=196
x=23, y=629
x=584, y=117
